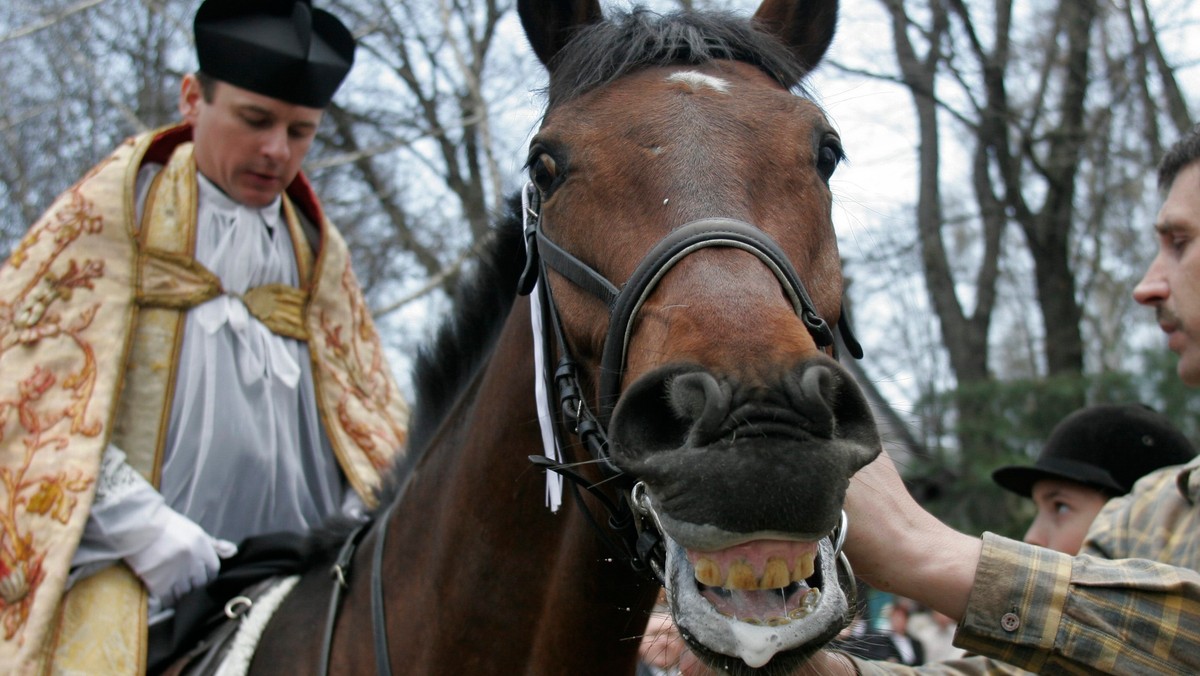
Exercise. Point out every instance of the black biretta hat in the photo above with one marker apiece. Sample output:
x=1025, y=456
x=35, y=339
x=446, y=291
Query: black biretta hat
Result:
x=1109, y=446
x=284, y=49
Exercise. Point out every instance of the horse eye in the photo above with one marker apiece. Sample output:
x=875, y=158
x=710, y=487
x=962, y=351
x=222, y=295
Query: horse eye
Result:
x=828, y=157
x=543, y=171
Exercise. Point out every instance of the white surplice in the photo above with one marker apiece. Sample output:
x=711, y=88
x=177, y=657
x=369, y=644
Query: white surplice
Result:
x=245, y=451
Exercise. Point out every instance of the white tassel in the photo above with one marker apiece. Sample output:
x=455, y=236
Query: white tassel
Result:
x=554, y=480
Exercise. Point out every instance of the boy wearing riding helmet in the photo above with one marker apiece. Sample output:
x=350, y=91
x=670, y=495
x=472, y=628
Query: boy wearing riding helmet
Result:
x=1093, y=454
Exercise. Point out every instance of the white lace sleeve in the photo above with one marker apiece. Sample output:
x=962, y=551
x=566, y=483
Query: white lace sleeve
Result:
x=117, y=479
x=122, y=518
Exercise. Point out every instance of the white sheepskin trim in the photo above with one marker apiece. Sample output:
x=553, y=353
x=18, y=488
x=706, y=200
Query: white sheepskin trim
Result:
x=237, y=660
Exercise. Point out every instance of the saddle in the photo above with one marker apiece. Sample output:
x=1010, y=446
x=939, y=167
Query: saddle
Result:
x=206, y=620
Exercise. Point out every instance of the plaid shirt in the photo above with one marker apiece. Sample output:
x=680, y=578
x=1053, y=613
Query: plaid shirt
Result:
x=1130, y=604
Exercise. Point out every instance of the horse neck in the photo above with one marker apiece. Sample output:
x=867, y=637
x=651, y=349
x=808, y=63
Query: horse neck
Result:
x=527, y=589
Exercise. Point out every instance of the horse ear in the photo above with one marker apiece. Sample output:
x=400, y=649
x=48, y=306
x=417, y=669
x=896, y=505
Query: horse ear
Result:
x=805, y=26
x=550, y=24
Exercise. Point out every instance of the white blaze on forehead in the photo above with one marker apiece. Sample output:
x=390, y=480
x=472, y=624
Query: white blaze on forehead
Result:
x=698, y=81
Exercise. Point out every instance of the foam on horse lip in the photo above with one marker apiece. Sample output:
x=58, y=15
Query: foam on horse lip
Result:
x=742, y=623
x=772, y=608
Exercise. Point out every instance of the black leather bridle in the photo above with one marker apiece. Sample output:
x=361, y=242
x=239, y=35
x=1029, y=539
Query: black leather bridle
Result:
x=638, y=542
x=640, y=546
x=623, y=303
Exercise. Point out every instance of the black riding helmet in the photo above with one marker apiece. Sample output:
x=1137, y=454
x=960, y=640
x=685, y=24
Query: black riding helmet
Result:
x=1108, y=446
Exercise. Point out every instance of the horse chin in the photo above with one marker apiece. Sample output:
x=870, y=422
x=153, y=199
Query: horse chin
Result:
x=781, y=626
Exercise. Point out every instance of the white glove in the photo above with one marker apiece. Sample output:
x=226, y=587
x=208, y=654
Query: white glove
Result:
x=181, y=557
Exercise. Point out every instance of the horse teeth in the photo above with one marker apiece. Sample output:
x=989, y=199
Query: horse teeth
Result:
x=776, y=576
x=708, y=572
x=810, y=600
x=806, y=565
x=807, y=605
x=741, y=576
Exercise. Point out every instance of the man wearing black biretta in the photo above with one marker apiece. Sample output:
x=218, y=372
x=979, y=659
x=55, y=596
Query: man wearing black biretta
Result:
x=224, y=329
x=283, y=49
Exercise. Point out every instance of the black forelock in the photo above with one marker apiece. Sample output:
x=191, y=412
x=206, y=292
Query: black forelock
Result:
x=605, y=51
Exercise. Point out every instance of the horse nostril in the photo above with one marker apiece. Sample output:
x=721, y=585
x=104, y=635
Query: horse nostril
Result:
x=812, y=391
x=698, y=399
x=833, y=406
x=648, y=419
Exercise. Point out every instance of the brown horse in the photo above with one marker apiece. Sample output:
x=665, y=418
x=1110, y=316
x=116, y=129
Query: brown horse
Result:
x=678, y=242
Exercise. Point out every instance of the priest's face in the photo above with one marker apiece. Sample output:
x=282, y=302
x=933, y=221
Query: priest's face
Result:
x=251, y=146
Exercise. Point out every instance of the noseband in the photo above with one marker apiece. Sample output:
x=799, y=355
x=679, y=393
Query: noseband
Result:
x=623, y=305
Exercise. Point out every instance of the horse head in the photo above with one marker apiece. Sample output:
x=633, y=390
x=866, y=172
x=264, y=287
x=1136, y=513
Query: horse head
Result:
x=682, y=214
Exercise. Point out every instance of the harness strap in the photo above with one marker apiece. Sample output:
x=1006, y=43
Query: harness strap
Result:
x=339, y=571
x=680, y=243
x=383, y=665
x=341, y=568
x=566, y=379
x=644, y=548
x=580, y=273
x=849, y=341
x=625, y=302
x=621, y=518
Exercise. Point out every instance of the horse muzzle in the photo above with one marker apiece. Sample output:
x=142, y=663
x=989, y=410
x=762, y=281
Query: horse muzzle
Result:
x=745, y=483
x=723, y=458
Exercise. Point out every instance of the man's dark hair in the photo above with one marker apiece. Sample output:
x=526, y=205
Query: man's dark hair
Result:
x=208, y=85
x=1185, y=151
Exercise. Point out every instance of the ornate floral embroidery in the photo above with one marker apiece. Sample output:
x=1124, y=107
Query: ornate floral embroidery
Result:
x=45, y=398
x=363, y=380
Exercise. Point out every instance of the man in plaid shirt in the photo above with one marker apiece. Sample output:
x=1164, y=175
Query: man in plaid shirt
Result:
x=1130, y=602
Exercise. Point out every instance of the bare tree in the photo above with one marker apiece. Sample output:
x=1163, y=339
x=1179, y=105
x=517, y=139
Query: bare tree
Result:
x=406, y=161
x=1044, y=114
x=76, y=77
x=1037, y=127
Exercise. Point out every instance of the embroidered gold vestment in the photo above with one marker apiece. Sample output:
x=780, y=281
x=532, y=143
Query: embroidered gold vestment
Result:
x=92, y=305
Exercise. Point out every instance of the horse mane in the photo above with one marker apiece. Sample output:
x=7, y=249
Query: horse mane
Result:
x=447, y=362
x=627, y=42
x=482, y=301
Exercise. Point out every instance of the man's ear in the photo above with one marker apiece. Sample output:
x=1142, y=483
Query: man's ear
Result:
x=190, y=97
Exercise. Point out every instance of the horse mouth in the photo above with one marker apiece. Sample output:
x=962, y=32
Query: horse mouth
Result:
x=754, y=599
x=771, y=593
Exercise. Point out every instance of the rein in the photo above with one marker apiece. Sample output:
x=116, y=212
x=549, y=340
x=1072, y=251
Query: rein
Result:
x=640, y=545
x=339, y=573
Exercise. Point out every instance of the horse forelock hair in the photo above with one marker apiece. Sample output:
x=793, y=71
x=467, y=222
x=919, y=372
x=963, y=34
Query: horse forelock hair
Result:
x=603, y=52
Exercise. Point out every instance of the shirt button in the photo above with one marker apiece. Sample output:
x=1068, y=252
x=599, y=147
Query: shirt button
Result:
x=1010, y=622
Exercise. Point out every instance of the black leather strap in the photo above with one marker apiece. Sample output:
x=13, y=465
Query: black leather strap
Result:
x=623, y=304
x=675, y=247
x=339, y=572
x=383, y=665
x=580, y=273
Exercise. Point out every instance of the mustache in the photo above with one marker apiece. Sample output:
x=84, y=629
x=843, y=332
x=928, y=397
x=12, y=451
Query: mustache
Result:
x=1165, y=316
